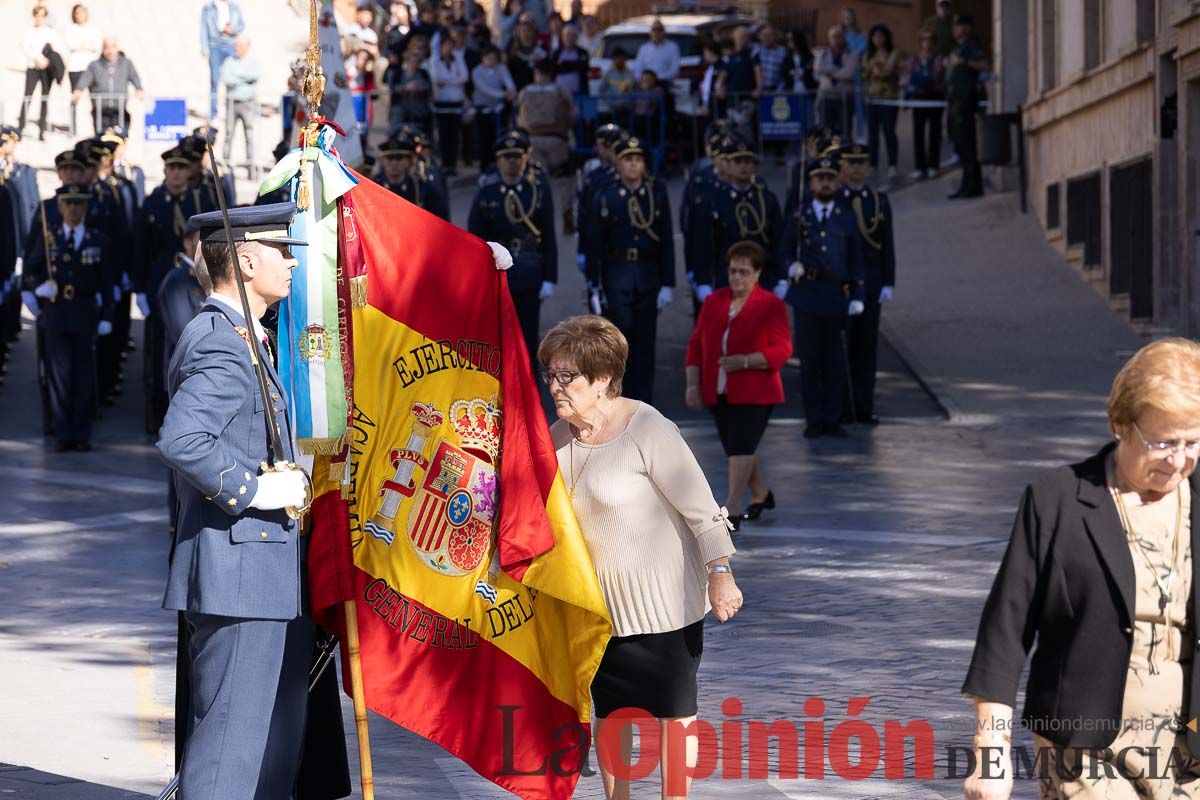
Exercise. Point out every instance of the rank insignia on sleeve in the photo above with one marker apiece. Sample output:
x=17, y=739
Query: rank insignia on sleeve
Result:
x=233, y=501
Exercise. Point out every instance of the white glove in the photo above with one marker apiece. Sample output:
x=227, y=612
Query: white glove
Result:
x=796, y=271
x=280, y=490
x=30, y=301
x=781, y=289
x=47, y=291
x=116, y=294
x=581, y=262
x=664, y=297
x=143, y=304
x=594, y=302
x=856, y=308
x=885, y=294
x=104, y=328
x=703, y=291
x=500, y=255
x=547, y=290
x=19, y=266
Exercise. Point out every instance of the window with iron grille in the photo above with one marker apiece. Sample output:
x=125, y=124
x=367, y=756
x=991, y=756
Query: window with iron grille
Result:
x=1083, y=217
x=1053, y=210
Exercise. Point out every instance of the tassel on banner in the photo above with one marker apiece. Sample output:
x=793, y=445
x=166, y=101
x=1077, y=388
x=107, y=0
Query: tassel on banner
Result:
x=358, y=292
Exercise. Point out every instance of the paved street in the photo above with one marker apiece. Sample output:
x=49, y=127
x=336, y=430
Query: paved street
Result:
x=867, y=581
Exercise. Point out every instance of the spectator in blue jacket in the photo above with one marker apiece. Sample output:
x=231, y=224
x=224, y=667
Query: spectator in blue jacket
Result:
x=220, y=24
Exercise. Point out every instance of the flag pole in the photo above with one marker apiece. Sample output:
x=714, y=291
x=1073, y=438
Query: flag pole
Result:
x=366, y=774
x=313, y=89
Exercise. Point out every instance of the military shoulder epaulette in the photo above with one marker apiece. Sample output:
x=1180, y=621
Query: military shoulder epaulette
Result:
x=488, y=179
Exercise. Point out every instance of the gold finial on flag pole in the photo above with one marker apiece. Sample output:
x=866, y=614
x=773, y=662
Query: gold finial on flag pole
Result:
x=313, y=89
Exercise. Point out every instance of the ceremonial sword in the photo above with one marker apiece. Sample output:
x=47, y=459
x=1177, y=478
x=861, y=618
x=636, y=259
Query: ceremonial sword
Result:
x=279, y=460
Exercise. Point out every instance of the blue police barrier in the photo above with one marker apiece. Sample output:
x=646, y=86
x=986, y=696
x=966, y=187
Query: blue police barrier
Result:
x=166, y=120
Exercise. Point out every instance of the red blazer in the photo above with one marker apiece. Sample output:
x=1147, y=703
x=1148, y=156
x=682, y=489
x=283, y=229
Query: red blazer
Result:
x=760, y=327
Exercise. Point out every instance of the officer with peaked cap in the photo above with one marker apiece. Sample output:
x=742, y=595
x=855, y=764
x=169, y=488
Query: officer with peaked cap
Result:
x=824, y=252
x=519, y=214
x=872, y=213
x=123, y=168
x=158, y=237
x=743, y=209
x=595, y=173
x=237, y=571
x=400, y=173
x=632, y=259
x=71, y=296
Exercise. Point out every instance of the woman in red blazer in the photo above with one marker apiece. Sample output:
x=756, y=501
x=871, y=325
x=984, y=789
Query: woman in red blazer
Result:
x=740, y=342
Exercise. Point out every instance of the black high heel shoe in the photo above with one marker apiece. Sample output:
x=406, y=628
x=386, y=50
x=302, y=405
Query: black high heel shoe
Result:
x=755, y=510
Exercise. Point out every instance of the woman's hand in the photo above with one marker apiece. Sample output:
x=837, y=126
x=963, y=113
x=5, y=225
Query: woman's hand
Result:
x=724, y=595
x=998, y=784
x=691, y=397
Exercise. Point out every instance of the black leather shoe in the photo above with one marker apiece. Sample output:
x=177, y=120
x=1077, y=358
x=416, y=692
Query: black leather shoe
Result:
x=755, y=510
x=972, y=193
x=736, y=522
x=836, y=431
x=814, y=431
x=868, y=419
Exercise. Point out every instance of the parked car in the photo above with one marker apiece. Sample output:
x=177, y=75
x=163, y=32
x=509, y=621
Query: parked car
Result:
x=687, y=30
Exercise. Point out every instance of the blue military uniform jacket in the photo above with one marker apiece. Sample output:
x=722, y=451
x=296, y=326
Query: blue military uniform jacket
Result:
x=831, y=253
x=180, y=298
x=873, y=215
x=734, y=215
x=230, y=559
x=698, y=191
x=420, y=191
x=85, y=277
x=631, y=227
x=520, y=217
x=159, y=236
x=591, y=181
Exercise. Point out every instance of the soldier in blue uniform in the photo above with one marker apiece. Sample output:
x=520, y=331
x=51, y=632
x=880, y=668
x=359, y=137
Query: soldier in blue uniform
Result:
x=632, y=259
x=18, y=182
x=22, y=178
x=872, y=213
x=743, y=209
x=515, y=210
x=824, y=250
x=203, y=177
x=400, y=175
x=131, y=172
x=701, y=183
x=819, y=141
x=427, y=166
x=238, y=566
x=594, y=173
x=157, y=239
x=71, y=296
x=180, y=295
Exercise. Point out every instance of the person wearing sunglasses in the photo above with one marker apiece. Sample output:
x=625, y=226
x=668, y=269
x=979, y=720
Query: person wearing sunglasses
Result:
x=1099, y=576
x=657, y=538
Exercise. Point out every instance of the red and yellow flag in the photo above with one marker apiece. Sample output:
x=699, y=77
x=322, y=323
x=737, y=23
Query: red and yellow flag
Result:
x=480, y=616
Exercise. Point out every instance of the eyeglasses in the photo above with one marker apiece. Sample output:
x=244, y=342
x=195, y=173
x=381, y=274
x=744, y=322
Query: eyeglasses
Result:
x=563, y=377
x=744, y=271
x=1164, y=449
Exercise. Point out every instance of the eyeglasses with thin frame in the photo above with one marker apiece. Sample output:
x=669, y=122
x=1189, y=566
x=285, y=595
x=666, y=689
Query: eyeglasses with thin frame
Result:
x=563, y=377
x=1164, y=449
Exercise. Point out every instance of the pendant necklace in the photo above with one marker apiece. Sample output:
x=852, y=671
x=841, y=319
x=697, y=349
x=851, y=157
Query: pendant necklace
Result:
x=575, y=479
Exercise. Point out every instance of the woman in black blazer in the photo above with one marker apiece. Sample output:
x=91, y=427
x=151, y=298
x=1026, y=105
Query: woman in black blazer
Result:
x=1099, y=573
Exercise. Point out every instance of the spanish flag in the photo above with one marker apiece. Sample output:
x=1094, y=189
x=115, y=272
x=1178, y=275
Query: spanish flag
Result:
x=480, y=616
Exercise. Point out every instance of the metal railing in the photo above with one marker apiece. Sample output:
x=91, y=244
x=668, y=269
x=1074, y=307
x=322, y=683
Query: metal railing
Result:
x=645, y=115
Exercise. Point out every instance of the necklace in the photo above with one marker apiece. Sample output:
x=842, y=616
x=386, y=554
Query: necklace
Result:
x=574, y=478
x=1163, y=584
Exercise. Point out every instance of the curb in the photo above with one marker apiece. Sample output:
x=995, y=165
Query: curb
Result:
x=934, y=387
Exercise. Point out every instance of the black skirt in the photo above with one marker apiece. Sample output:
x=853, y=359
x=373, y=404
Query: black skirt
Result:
x=654, y=672
x=740, y=426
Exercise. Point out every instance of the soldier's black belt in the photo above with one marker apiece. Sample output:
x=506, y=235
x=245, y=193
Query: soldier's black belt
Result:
x=828, y=276
x=527, y=243
x=632, y=254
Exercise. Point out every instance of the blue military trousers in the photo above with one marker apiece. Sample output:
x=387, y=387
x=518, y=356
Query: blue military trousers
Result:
x=249, y=703
x=631, y=292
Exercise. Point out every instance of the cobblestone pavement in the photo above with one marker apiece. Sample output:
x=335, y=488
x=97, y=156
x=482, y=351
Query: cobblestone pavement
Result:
x=866, y=582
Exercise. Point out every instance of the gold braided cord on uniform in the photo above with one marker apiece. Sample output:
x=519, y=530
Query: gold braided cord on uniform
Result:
x=868, y=232
x=757, y=217
x=7, y=172
x=643, y=222
x=515, y=210
x=177, y=214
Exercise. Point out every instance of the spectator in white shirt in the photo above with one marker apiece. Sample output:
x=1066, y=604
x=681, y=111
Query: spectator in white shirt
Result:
x=592, y=38
x=37, y=66
x=83, y=41
x=363, y=31
x=659, y=54
x=493, y=89
x=450, y=76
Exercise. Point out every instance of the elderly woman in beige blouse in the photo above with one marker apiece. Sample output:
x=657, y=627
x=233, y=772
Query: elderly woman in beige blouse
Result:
x=658, y=540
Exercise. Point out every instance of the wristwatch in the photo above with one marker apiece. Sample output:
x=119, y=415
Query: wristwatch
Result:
x=715, y=568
